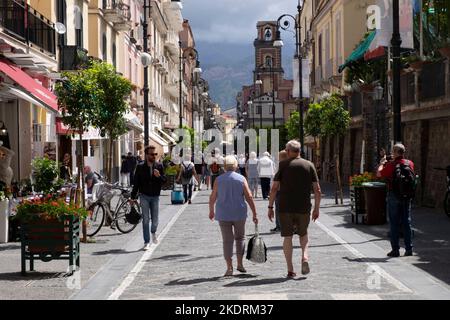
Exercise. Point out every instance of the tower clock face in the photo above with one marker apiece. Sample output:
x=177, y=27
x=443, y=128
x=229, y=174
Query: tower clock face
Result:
x=268, y=34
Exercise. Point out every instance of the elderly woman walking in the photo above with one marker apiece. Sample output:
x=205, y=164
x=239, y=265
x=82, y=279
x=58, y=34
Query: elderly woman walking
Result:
x=229, y=195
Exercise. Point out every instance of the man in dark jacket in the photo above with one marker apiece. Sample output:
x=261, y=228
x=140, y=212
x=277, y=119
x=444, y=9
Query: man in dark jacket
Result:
x=131, y=164
x=148, y=179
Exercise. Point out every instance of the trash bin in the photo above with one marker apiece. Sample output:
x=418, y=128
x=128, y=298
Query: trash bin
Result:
x=375, y=202
x=4, y=221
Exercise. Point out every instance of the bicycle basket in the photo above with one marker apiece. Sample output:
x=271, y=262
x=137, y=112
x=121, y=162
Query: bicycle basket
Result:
x=133, y=217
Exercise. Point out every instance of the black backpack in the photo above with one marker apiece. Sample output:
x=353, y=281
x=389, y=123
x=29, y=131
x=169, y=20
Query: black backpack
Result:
x=188, y=171
x=404, y=182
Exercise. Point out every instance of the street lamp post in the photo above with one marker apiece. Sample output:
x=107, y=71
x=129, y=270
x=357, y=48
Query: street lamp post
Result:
x=279, y=43
x=146, y=88
x=197, y=69
x=396, y=44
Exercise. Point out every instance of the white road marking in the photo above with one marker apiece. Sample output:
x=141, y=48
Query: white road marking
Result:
x=355, y=296
x=146, y=256
x=376, y=268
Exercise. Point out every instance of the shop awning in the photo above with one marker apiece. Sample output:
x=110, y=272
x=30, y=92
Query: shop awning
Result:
x=30, y=85
x=167, y=137
x=133, y=122
x=359, y=52
x=61, y=128
x=159, y=140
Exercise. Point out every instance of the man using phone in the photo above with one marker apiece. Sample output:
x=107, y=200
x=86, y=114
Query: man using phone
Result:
x=148, y=179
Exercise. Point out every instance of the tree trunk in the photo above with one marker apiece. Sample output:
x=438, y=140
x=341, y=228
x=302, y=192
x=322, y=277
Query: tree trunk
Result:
x=317, y=160
x=338, y=172
x=110, y=159
x=80, y=187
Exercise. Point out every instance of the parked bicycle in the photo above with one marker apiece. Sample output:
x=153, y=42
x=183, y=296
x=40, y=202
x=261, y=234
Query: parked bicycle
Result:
x=101, y=208
x=447, y=194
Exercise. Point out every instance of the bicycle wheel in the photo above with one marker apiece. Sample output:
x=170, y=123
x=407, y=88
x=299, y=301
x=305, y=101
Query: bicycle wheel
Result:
x=447, y=204
x=121, y=221
x=95, y=219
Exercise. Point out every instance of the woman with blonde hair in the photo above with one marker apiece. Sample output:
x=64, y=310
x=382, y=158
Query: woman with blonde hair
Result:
x=227, y=205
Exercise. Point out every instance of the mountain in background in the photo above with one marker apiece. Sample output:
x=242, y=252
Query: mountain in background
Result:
x=227, y=67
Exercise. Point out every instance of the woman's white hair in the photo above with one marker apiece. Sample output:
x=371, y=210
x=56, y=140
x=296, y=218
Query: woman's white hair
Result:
x=253, y=155
x=230, y=163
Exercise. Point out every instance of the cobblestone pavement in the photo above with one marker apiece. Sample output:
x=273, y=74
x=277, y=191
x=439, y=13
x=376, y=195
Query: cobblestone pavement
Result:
x=347, y=262
x=188, y=264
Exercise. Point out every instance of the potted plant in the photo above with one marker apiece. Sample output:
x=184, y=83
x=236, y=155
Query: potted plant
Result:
x=357, y=199
x=171, y=173
x=49, y=227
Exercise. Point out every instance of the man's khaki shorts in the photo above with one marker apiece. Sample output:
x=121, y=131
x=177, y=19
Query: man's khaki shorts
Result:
x=294, y=221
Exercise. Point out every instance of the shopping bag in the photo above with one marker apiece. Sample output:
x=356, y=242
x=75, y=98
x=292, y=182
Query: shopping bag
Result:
x=256, y=249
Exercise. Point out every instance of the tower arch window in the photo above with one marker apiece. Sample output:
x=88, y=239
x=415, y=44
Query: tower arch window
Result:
x=268, y=61
x=268, y=34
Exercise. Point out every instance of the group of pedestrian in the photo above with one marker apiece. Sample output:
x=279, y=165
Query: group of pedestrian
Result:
x=292, y=185
x=127, y=169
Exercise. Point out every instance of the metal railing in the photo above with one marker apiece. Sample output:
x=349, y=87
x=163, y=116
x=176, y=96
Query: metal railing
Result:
x=27, y=25
x=118, y=7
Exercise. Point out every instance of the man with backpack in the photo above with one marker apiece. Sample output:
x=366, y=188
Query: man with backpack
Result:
x=186, y=177
x=215, y=166
x=401, y=180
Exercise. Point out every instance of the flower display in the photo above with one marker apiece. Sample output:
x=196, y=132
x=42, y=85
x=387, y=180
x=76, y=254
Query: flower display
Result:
x=48, y=208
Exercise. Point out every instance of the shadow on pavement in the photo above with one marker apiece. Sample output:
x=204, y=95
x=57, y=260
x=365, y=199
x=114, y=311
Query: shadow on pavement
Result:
x=365, y=260
x=431, y=231
x=31, y=275
x=201, y=258
x=260, y=282
x=10, y=247
x=172, y=257
x=113, y=251
x=180, y=282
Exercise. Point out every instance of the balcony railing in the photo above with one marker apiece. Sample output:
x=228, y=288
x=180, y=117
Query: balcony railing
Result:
x=118, y=13
x=27, y=25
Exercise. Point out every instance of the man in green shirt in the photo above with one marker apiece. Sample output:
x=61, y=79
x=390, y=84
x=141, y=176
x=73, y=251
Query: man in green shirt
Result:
x=295, y=179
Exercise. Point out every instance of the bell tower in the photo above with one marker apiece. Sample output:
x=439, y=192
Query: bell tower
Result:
x=268, y=62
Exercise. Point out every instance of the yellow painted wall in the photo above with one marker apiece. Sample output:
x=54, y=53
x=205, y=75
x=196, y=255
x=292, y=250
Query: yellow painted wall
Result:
x=44, y=7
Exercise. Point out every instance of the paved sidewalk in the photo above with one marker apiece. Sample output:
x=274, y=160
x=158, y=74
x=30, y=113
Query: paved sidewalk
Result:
x=50, y=281
x=347, y=262
x=189, y=265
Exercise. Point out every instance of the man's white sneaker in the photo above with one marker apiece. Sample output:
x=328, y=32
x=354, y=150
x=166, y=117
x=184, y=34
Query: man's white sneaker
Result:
x=146, y=247
x=154, y=238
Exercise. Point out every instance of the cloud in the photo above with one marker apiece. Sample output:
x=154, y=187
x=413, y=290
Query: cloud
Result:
x=232, y=21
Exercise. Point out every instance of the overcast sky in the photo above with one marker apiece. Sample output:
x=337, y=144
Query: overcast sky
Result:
x=232, y=21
